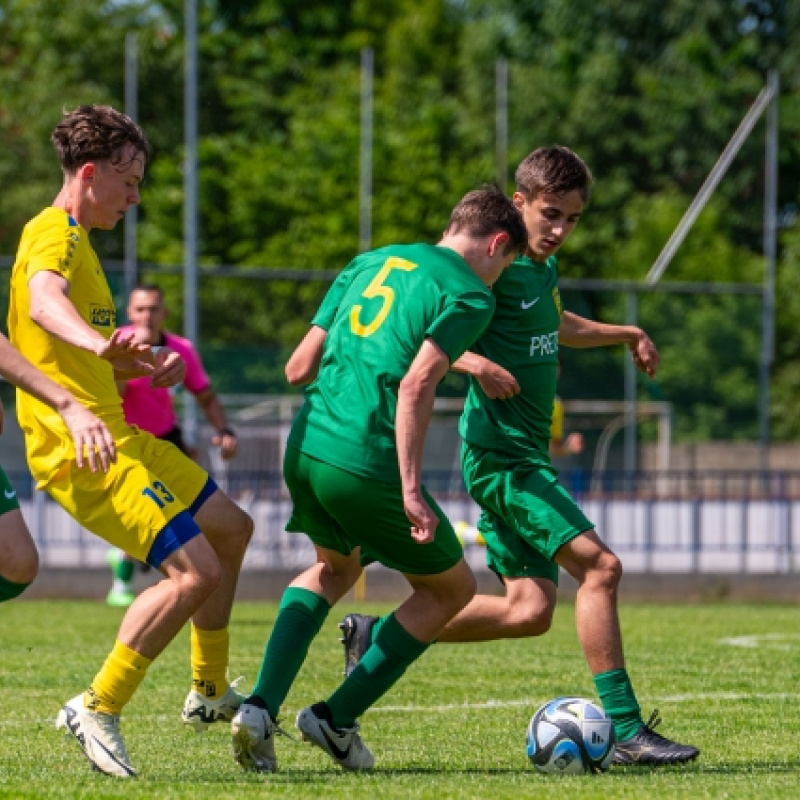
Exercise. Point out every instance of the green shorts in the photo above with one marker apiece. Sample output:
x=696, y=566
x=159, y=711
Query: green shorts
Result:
x=527, y=514
x=340, y=511
x=8, y=497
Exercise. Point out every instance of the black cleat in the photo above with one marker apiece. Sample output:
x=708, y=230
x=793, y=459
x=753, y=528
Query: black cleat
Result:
x=647, y=748
x=356, y=637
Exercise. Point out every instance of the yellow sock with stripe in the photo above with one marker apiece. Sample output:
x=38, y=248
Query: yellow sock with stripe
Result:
x=118, y=679
x=210, y=661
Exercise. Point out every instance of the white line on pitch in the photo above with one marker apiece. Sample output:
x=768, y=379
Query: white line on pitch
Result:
x=488, y=704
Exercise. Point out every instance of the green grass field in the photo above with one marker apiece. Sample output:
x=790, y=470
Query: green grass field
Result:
x=453, y=728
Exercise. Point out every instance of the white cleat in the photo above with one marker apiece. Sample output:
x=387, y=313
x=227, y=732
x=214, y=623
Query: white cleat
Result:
x=99, y=737
x=343, y=745
x=253, y=738
x=199, y=712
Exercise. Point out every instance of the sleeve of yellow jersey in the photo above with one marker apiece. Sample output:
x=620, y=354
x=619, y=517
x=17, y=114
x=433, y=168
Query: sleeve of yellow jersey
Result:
x=52, y=247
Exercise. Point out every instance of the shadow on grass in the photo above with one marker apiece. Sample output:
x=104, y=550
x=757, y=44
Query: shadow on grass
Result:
x=718, y=768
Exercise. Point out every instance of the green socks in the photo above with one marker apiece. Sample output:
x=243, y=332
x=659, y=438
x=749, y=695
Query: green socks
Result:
x=619, y=701
x=300, y=617
x=9, y=590
x=393, y=650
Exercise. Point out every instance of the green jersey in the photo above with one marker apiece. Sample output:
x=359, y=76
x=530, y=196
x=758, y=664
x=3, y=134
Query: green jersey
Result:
x=377, y=314
x=523, y=338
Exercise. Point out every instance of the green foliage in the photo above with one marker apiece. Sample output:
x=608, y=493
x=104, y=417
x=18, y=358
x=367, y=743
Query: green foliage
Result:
x=648, y=93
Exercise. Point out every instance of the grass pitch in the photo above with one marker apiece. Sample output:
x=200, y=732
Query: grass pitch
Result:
x=724, y=676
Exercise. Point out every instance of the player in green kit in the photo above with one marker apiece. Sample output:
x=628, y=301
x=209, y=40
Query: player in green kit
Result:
x=529, y=522
x=387, y=332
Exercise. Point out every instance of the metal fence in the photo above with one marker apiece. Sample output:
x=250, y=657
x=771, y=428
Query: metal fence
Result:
x=675, y=522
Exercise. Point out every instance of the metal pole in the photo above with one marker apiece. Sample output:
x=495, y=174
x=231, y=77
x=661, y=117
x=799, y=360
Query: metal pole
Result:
x=630, y=394
x=770, y=255
x=132, y=110
x=365, y=152
x=190, y=326
x=501, y=122
x=707, y=189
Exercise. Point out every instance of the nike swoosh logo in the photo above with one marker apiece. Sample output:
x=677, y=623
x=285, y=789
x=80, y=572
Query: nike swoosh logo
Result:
x=9, y=495
x=337, y=751
x=526, y=306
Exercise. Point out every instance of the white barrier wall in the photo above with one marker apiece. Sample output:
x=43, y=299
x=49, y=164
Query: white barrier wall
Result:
x=649, y=536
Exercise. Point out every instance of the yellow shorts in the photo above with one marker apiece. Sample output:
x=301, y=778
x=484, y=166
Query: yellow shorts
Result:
x=151, y=483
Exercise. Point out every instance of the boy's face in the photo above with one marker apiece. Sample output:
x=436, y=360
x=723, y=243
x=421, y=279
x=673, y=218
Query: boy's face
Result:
x=113, y=188
x=550, y=219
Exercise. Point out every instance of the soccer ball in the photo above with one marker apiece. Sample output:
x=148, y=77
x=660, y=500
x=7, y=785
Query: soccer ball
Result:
x=570, y=736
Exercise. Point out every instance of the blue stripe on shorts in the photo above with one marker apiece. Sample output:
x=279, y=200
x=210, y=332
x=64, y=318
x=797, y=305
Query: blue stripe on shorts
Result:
x=205, y=493
x=172, y=537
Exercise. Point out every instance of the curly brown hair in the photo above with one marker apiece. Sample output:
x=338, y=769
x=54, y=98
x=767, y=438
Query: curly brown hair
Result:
x=96, y=133
x=556, y=169
x=487, y=210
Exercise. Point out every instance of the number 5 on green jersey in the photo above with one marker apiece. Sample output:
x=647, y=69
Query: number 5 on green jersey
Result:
x=377, y=289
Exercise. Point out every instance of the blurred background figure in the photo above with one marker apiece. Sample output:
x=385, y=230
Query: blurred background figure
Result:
x=560, y=446
x=153, y=409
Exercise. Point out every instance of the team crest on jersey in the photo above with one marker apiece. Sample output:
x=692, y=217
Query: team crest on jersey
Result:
x=557, y=301
x=102, y=317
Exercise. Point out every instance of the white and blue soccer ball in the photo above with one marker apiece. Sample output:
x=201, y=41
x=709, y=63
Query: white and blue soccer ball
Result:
x=571, y=736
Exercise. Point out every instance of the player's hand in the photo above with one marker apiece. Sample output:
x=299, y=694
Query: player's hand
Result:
x=93, y=440
x=131, y=358
x=423, y=521
x=227, y=443
x=497, y=383
x=573, y=444
x=645, y=354
x=170, y=368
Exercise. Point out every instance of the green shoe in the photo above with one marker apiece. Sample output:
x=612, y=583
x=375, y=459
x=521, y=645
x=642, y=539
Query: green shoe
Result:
x=120, y=599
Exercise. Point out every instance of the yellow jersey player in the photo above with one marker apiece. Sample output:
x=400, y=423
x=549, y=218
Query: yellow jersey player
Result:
x=154, y=502
x=19, y=561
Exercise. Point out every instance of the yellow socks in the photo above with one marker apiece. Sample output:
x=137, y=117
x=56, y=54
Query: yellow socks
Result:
x=210, y=662
x=117, y=680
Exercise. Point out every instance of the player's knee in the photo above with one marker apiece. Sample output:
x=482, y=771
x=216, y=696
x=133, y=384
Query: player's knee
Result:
x=533, y=620
x=241, y=530
x=465, y=590
x=202, y=581
x=608, y=571
x=23, y=567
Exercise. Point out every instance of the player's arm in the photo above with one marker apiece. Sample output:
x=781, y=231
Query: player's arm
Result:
x=53, y=311
x=414, y=408
x=497, y=382
x=215, y=414
x=303, y=364
x=575, y=331
x=90, y=434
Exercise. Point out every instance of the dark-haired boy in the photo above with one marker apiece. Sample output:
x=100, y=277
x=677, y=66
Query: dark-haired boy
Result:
x=530, y=524
x=385, y=335
x=154, y=502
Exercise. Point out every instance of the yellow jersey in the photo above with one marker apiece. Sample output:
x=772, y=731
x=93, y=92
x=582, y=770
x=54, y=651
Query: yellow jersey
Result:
x=53, y=241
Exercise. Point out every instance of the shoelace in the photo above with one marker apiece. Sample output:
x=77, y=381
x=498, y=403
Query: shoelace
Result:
x=652, y=723
x=282, y=732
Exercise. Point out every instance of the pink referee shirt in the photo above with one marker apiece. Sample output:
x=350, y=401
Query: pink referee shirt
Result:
x=153, y=410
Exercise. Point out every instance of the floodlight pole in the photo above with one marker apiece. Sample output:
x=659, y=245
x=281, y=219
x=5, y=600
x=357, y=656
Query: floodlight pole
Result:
x=190, y=326
x=365, y=151
x=630, y=436
x=770, y=257
x=501, y=122
x=132, y=111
